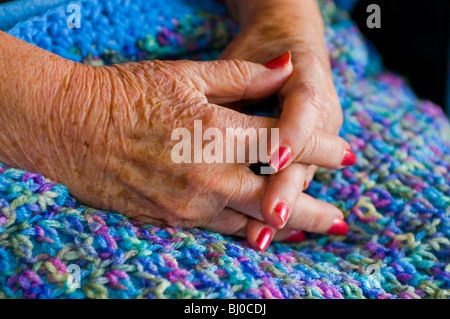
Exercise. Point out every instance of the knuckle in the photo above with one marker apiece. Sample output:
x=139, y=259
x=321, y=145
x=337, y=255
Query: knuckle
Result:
x=311, y=59
x=211, y=115
x=242, y=69
x=300, y=143
x=313, y=145
x=293, y=185
x=213, y=182
x=240, y=188
x=240, y=73
x=235, y=193
x=313, y=95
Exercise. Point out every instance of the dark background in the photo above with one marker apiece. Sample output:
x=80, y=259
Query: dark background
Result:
x=414, y=41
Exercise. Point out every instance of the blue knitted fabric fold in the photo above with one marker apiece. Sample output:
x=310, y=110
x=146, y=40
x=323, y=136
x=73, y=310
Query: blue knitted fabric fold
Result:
x=396, y=199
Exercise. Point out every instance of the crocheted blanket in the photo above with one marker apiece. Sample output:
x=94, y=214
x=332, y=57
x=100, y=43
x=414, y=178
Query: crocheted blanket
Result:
x=396, y=200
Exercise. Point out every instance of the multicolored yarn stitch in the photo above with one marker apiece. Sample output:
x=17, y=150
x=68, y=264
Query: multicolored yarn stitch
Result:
x=396, y=199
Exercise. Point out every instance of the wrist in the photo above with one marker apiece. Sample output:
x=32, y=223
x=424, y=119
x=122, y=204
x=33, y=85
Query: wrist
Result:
x=304, y=14
x=283, y=25
x=27, y=114
x=33, y=83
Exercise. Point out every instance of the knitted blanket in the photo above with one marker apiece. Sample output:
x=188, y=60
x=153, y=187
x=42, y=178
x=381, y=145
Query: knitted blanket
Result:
x=396, y=199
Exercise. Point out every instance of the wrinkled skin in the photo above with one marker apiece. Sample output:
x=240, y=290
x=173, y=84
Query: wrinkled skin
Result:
x=105, y=133
x=109, y=138
x=309, y=101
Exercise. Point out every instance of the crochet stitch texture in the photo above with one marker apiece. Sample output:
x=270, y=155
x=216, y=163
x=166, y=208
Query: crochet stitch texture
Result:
x=396, y=199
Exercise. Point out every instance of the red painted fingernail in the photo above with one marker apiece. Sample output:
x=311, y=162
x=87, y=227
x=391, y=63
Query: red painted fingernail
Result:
x=339, y=227
x=282, y=211
x=279, y=62
x=277, y=163
x=264, y=238
x=349, y=158
x=297, y=237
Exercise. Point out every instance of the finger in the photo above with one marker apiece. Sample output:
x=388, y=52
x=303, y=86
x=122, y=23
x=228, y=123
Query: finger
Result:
x=225, y=81
x=260, y=235
x=298, y=121
x=288, y=235
x=305, y=212
x=246, y=191
x=282, y=193
x=303, y=110
x=252, y=136
x=326, y=150
x=322, y=149
x=285, y=205
x=316, y=216
x=308, y=214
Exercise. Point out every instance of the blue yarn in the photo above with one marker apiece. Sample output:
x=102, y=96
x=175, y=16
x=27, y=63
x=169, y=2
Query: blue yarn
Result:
x=395, y=200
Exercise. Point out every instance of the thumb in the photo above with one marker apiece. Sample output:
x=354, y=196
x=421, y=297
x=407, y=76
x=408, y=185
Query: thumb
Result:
x=226, y=81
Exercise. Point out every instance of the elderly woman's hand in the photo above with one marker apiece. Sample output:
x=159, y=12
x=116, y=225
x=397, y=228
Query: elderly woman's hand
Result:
x=107, y=134
x=309, y=101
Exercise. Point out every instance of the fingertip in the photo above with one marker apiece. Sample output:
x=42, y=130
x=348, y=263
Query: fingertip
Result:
x=280, y=68
x=280, y=158
x=259, y=235
x=332, y=210
x=280, y=215
x=296, y=237
x=281, y=195
x=275, y=209
x=349, y=158
x=280, y=61
x=339, y=228
x=264, y=238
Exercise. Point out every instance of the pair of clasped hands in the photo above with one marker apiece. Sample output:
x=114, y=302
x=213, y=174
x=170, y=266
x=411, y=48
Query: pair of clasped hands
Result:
x=105, y=133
